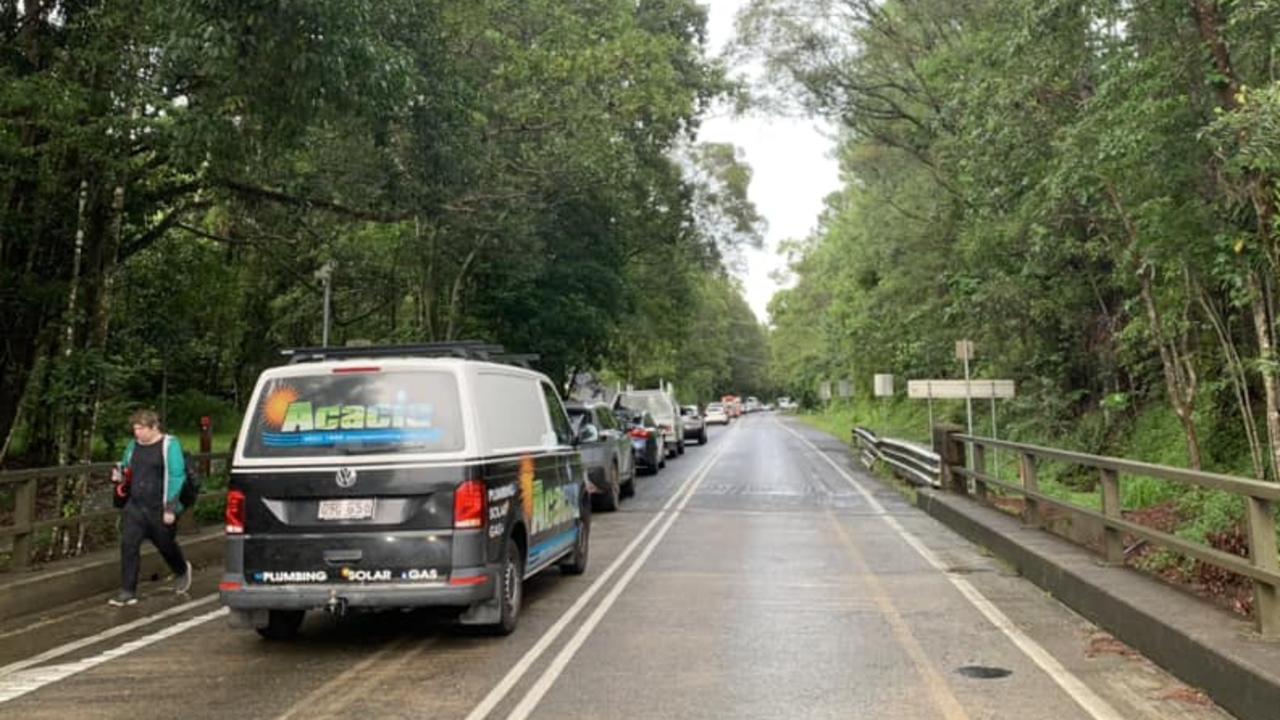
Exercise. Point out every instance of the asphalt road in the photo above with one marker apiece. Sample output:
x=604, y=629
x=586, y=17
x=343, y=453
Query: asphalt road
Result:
x=761, y=576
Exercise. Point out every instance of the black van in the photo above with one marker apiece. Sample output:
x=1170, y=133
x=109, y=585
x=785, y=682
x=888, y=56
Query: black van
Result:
x=395, y=477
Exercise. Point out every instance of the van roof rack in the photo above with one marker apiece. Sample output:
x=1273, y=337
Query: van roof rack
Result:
x=464, y=349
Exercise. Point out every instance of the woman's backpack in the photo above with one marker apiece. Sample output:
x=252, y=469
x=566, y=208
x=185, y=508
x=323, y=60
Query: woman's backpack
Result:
x=190, y=491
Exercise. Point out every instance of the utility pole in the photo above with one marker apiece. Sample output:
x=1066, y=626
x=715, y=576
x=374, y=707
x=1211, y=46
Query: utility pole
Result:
x=325, y=275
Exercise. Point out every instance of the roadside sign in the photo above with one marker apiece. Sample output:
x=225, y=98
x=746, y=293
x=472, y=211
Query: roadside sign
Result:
x=845, y=389
x=884, y=385
x=824, y=391
x=959, y=389
x=964, y=349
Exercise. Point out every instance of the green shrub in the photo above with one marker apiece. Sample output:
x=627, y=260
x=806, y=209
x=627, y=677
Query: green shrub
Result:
x=899, y=419
x=1209, y=511
x=1143, y=492
x=1156, y=436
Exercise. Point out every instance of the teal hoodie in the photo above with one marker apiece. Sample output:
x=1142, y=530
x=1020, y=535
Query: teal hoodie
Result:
x=175, y=470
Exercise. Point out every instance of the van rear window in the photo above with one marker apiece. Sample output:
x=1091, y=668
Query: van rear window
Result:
x=358, y=414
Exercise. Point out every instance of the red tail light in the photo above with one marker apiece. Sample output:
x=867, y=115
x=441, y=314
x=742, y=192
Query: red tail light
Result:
x=640, y=433
x=469, y=505
x=235, y=512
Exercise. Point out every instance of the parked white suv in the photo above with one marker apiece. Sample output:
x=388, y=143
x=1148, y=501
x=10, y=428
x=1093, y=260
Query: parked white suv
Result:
x=716, y=414
x=695, y=426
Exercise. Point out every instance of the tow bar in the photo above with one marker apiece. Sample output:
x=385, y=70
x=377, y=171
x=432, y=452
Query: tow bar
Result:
x=336, y=606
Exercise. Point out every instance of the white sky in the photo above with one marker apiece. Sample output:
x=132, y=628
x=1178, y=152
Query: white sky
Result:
x=792, y=169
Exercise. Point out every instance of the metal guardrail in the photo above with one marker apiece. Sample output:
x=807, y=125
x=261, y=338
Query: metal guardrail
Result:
x=947, y=466
x=26, y=523
x=911, y=462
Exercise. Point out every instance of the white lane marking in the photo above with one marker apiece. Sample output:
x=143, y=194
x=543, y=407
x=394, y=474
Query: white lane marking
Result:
x=1085, y=697
x=104, y=635
x=20, y=684
x=561, y=661
x=513, y=676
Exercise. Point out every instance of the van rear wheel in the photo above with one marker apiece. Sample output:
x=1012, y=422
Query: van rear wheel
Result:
x=510, y=590
x=282, y=624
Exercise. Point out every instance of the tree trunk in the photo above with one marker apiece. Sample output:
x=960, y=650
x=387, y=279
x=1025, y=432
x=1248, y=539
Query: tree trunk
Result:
x=72, y=309
x=20, y=317
x=1207, y=23
x=1176, y=360
x=8, y=435
x=105, y=271
x=455, y=295
x=1262, y=324
x=428, y=306
x=1179, y=375
x=1239, y=384
x=1258, y=188
x=66, y=418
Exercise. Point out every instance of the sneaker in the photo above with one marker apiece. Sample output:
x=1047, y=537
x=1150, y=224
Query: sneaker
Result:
x=182, y=583
x=123, y=598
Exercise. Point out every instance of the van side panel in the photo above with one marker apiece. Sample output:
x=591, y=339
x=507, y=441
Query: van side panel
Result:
x=537, y=492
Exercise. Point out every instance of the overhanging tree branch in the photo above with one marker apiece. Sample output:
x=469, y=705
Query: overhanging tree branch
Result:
x=260, y=193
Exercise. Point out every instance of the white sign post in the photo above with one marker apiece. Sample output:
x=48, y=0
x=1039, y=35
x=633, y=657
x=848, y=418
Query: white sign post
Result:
x=884, y=385
x=964, y=351
x=845, y=389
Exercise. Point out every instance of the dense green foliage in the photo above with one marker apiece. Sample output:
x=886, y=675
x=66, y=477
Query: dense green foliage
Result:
x=1088, y=190
x=174, y=175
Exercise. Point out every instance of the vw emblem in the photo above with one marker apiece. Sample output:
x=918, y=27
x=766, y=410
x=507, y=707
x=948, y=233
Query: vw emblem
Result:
x=345, y=478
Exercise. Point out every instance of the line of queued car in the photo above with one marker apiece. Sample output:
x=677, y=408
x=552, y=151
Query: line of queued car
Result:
x=639, y=431
x=433, y=475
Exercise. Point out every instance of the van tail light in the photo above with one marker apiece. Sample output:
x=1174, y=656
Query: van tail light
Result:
x=640, y=433
x=235, y=512
x=469, y=505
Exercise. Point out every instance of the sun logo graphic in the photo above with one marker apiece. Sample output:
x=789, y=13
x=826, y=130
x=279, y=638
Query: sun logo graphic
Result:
x=276, y=408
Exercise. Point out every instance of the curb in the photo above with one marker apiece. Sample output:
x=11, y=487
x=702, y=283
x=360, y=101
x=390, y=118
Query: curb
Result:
x=1203, y=645
x=72, y=580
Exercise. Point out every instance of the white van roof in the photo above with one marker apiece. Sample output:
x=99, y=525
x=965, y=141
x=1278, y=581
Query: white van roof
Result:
x=441, y=363
x=470, y=375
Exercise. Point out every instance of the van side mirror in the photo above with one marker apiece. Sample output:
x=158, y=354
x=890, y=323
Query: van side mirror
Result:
x=588, y=433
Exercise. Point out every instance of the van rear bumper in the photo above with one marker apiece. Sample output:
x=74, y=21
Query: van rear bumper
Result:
x=352, y=595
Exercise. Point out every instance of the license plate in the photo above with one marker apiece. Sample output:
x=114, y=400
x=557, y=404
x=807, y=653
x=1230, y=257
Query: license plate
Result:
x=361, y=509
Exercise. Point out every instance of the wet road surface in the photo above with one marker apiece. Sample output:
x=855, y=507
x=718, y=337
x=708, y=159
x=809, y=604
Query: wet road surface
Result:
x=760, y=576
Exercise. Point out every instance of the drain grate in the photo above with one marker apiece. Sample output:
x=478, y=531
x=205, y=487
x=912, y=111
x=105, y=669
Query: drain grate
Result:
x=983, y=672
